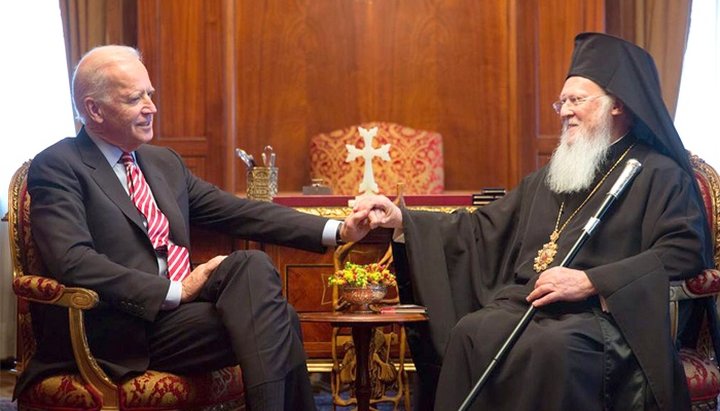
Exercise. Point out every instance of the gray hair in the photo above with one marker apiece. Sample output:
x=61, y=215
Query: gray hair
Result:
x=90, y=77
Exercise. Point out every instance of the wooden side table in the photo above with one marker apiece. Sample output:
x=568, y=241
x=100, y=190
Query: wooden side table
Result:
x=361, y=326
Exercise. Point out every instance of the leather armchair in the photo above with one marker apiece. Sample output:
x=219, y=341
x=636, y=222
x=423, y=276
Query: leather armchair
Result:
x=91, y=388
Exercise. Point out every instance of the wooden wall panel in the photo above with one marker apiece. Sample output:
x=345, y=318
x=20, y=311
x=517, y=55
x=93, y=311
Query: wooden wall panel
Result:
x=559, y=19
x=324, y=65
x=251, y=73
x=522, y=90
x=181, y=41
x=473, y=93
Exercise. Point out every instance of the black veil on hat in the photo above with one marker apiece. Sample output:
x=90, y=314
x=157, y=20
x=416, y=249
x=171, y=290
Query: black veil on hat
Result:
x=628, y=72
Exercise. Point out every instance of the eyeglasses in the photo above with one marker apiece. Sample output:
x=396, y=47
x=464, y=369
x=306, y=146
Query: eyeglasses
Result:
x=573, y=101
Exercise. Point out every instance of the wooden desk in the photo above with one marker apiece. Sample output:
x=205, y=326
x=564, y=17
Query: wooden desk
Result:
x=361, y=325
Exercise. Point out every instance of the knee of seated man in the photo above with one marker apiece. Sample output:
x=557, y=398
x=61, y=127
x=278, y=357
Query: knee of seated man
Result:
x=258, y=262
x=293, y=314
x=485, y=318
x=560, y=341
x=466, y=327
x=294, y=319
x=256, y=257
x=253, y=256
x=254, y=269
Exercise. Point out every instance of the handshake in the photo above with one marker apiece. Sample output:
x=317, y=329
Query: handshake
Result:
x=370, y=211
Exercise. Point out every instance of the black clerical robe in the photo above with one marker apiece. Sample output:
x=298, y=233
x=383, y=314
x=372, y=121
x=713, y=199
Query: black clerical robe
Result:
x=457, y=264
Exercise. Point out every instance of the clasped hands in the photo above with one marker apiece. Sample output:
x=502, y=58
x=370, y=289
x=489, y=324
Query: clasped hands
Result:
x=371, y=211
x=554, y=284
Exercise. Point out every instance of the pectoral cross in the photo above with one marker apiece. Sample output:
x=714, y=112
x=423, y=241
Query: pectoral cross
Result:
x=368, y=153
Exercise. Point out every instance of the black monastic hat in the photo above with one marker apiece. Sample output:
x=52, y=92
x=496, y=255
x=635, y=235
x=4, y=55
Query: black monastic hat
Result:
x=628, y=72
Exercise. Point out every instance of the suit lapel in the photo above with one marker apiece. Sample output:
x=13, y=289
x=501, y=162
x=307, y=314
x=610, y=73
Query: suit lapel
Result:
x=106, y=178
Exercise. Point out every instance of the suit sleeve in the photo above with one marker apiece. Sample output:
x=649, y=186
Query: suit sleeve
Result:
x=210, y=207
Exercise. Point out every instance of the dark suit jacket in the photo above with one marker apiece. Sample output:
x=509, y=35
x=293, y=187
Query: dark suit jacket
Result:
x=90, y=235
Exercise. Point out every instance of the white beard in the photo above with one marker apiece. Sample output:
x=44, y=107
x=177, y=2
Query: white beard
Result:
x=573, y=167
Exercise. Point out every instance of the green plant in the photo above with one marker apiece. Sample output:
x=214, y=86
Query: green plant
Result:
x=358, y=275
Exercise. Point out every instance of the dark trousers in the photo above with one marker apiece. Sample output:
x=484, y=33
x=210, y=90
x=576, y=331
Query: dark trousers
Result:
x=240, y=317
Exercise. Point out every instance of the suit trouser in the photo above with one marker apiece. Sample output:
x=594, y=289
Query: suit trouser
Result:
x=239, y=317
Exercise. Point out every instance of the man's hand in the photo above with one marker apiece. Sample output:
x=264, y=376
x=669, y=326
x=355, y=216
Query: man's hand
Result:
x=355, y=227
x=381, y=212
x=561, y=284
x=193, y=283
x=370, y=211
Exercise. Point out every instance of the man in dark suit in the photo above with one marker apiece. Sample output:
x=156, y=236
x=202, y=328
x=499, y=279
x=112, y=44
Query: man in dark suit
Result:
x=92, y=232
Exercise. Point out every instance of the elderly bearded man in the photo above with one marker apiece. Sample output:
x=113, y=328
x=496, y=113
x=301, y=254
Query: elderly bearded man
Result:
x=600, y=339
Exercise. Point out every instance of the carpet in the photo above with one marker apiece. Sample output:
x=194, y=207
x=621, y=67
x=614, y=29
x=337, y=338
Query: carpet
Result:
x=7, y=405
x=323, y=402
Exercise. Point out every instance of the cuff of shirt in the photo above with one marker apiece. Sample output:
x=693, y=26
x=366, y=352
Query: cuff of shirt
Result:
x=398, y=235
x=172, y=299
x=329, y=233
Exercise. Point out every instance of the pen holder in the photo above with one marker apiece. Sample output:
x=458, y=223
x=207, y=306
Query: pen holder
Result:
x=262, y=183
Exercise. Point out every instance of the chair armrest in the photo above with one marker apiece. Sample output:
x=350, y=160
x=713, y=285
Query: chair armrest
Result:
x=705, y=284
x=49, y=291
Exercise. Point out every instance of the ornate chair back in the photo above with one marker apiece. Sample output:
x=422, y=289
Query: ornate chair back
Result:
x=698, y=359
x=25, y=260
x=416, y=159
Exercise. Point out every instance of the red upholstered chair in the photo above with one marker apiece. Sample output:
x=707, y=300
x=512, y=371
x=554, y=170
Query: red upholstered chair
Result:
x=416, y=159
x=91, y=389
x=699, y=362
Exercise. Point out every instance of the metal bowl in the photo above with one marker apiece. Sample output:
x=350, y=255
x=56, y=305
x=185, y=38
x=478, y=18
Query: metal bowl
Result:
x=360, y=298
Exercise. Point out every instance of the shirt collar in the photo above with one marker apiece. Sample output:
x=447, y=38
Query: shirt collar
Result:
x=112, y=153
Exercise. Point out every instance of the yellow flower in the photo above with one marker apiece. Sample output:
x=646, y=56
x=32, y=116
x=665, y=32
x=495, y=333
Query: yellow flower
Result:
x=361, y=275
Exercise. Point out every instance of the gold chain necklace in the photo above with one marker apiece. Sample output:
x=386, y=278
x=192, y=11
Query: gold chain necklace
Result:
x=546, y=254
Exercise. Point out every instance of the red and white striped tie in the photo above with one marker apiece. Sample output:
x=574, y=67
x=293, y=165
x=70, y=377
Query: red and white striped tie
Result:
x=178, y=257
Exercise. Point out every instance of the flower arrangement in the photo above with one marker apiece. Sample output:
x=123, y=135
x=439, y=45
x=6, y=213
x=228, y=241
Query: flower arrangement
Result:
x=357, y=275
